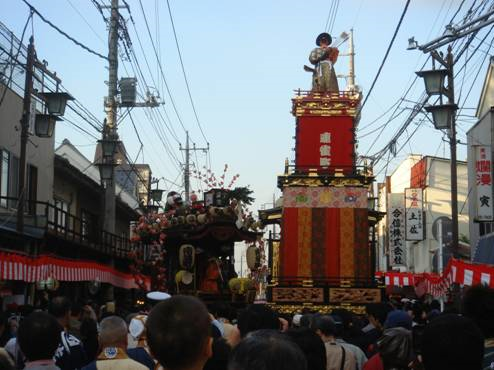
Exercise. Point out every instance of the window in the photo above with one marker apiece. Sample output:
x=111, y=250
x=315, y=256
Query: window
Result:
x=89, y=225
x=4, y=177
x=485, y=228
x=61, y=210
x=13, y=180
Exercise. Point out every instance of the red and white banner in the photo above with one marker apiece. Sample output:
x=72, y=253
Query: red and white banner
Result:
x=457, y=272
x=17, y=267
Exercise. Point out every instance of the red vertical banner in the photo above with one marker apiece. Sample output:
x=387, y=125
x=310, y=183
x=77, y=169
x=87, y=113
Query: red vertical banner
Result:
x=362, y=249
x=304, y=242
x=347, y=242
x=318, y=263
x=332, y=242
x=289, y=238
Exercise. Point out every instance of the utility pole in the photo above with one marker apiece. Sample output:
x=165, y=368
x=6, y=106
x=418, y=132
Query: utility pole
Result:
x=26, y=116
x=452, y=147
x=187, y=150
x=109, y=128
x=351, y=62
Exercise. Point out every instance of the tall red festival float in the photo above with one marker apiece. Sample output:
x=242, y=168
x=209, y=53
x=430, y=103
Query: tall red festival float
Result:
x=324, y=256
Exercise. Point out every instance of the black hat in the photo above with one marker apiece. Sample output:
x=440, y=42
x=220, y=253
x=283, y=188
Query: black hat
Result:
x=323, y=35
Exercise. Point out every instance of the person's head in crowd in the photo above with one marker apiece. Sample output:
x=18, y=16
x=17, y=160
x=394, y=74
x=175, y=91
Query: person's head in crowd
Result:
x=39, y=336
x=325, y=327
x=179, y=333
x=60, y=308
x=113, y=332
x=6, y=362
x=417, y=312
x=377, y=313
x=396, y=348
x=267, y=350
x=257, y=317
x=311, y=345
x=452, y=342
x=75, y=310
x=435, y=305
x=338, y=322
x=345, y=317
x=398, y=319
x=221, y=353
x=478, y=304
x=89, y=337
x=306, y=320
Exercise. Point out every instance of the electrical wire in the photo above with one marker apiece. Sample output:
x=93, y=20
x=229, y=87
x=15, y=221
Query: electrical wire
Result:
x=183, y=72
x=66, y=35
x=15, y=58
x=385, y=55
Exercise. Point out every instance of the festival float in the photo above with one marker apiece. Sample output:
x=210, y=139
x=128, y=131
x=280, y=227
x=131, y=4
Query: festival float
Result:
x=325, y=256
x=188, y=247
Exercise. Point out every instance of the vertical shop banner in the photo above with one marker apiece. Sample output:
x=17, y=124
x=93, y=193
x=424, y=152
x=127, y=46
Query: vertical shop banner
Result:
x=396, y=229
x=483, y=183
x=414, y=224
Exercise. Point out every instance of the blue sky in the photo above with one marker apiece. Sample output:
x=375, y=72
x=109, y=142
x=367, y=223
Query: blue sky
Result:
x=243, y=60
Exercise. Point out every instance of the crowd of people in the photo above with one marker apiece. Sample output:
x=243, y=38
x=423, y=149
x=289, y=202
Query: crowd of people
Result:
x=181, y=333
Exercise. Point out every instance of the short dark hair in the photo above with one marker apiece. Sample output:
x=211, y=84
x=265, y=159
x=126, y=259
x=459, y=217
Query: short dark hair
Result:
x=311, y=345
x=256, y=317
x=452, y=342
x=379, y=311
x=478, y=304
x=59, y=307
x=325, y=324
x=177, y=331
x=267, y=350
x=39, y=336
x=306, y=320
x=396, y=348
x=221, y=353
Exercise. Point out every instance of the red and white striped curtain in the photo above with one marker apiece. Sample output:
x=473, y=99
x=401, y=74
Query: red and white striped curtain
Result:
x=17, y=267
x=457, y=272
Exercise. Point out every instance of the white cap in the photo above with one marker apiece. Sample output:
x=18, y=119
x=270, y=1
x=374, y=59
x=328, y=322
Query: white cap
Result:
x=136, y=326
x=158, y=296
x=296, y=319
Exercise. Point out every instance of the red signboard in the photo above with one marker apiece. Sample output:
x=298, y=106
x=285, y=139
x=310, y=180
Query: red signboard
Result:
x=326, y=142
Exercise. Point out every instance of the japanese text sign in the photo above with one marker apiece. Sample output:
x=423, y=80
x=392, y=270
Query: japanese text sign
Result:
x=396, y=229
x=414, y=224
x=483, y=183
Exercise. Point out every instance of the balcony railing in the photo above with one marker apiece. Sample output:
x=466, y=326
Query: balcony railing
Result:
x=56, y=221
x=334, y=171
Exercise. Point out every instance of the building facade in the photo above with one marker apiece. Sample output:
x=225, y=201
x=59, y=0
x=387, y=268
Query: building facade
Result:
x=430, y=176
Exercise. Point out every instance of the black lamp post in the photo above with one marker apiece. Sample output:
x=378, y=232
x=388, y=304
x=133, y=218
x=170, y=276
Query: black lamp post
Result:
x=444, y=118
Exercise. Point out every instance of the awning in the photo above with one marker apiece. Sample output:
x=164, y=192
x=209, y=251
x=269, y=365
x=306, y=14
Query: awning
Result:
x=28, y=269
x=484, y=253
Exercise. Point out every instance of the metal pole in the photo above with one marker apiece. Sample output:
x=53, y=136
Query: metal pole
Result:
x=110, y=129
x=187, y=169
x=26, y=112
x=440, y=254
x=452, y=144
x=351, y=61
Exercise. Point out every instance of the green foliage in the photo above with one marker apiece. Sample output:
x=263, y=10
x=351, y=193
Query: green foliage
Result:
x=242, y=193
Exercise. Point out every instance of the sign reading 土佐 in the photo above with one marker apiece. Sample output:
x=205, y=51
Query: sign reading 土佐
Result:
x=414, y=224
x=483, y=183
x=396, y=229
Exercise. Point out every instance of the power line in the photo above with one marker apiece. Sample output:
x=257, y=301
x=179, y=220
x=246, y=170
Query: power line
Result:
x=385, y=55
x=15, y=58
x=78, y=43
x=85, y=20
x=160, y=67
x=183, y=71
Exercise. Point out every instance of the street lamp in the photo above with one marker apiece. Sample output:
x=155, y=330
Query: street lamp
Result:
x=156, y=194
x=108, y=146
x=442, y=115
x=434, y=80
x=56, y=102
x=44, y=125
x=106, y=170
